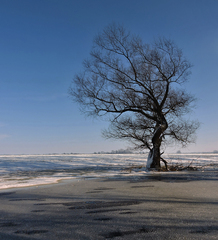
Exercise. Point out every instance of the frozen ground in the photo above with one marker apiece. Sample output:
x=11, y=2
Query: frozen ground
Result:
x=29, y=170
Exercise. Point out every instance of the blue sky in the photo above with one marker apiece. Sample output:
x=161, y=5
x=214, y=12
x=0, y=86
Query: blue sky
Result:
x=43, y=44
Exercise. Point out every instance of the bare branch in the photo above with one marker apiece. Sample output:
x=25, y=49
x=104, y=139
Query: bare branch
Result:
x=138, y=86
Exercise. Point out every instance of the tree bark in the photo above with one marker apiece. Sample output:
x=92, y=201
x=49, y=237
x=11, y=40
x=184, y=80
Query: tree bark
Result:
x=155, y=157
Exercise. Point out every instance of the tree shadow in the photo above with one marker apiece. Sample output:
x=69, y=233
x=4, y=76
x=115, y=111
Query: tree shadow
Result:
x=109, y=215
x=180, y=176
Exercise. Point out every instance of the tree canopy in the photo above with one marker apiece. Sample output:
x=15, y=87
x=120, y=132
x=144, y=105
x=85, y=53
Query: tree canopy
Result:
x=139, y=86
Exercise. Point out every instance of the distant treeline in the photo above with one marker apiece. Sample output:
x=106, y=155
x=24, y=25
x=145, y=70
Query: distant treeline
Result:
x=119, y=151
x=215, y=151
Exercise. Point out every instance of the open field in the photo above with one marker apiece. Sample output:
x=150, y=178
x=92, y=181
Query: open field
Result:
x=30, y=170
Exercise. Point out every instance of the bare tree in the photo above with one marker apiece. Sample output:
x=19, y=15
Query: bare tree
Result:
x=139, y=86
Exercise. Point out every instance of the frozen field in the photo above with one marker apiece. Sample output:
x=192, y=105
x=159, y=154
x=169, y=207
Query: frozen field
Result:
x=29, y=170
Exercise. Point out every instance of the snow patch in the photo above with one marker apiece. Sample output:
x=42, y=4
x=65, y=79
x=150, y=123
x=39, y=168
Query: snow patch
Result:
x=149, y=160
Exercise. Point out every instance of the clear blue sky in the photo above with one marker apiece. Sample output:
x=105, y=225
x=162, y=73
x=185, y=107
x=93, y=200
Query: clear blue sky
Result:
x=43, y=44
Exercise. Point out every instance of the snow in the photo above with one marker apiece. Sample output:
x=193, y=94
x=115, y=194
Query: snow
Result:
x=30, y=170
x=149, y=160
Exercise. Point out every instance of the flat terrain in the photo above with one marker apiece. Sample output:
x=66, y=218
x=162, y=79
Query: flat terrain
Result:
x=159, y=206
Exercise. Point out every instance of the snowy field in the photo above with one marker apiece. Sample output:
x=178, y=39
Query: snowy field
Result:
x=30, y=170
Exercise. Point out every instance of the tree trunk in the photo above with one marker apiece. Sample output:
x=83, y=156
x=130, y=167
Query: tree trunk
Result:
x=154, y=156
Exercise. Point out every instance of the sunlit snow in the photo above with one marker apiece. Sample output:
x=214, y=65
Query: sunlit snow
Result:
x=30, y=170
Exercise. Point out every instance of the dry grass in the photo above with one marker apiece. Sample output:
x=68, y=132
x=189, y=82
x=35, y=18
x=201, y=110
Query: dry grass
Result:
x=170, y=168
x=179, y=167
